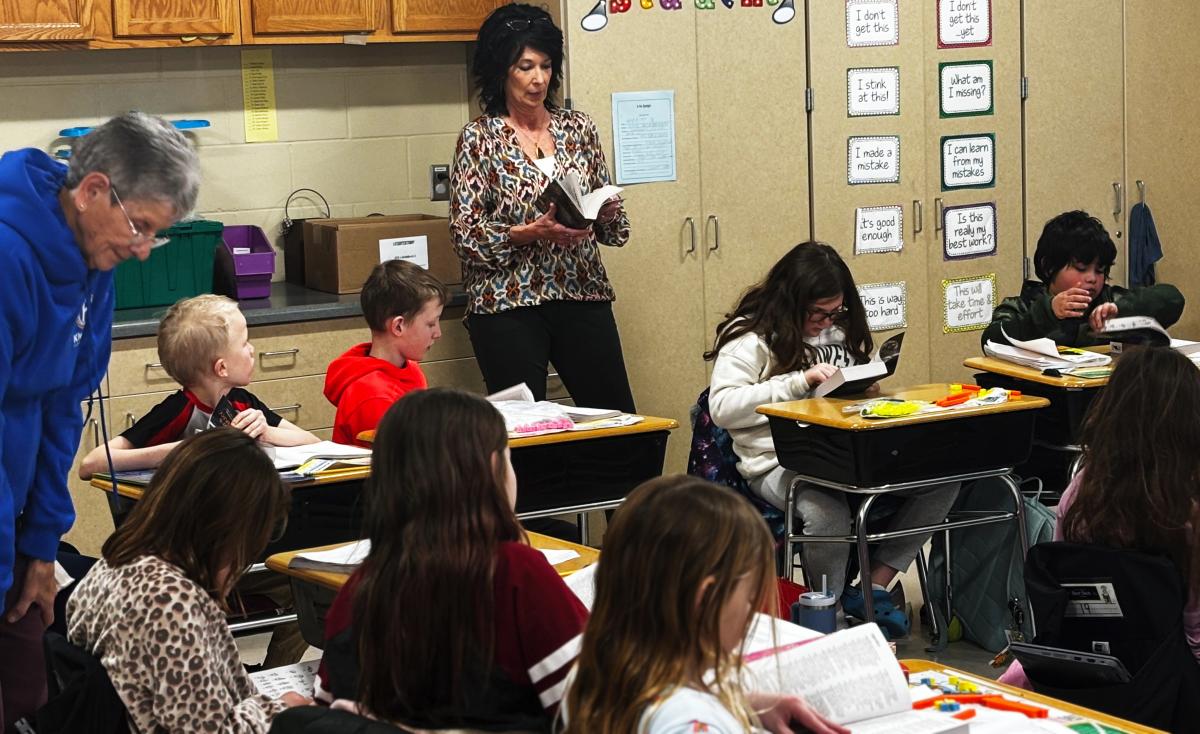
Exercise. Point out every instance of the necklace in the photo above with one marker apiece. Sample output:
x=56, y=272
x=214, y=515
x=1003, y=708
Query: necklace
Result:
x=535, y=142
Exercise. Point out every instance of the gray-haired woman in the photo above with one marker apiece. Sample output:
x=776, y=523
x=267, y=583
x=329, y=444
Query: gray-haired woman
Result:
x=62, y=231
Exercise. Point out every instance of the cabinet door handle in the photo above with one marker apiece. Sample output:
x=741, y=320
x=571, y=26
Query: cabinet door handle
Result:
x=1118, y=199
x=153, y=366
x=281, y=353
x=130, y=419
x=918, y=216
x=294, y=407
x=716, y=232
x=95, y=425
x=691, y=223
x=937, y=215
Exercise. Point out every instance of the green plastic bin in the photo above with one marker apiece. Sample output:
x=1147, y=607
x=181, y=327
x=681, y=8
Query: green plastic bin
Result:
x=182, y=268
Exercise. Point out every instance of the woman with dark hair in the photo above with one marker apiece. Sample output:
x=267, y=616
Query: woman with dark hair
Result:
x=153, y=608
x=453, y=621
x=537, y=290
x=787, y=335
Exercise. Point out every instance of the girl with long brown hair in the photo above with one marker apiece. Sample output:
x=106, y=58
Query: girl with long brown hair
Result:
x=787, y=335
x=453, y=620
x=153, y=608
x=676, y=590
x=1139, y=485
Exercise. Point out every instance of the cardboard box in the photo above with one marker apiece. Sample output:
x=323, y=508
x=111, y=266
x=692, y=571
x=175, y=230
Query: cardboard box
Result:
x=340, y=253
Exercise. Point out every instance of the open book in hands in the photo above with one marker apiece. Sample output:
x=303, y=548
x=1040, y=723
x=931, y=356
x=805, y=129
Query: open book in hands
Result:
x=1131, y=330
x=856, y=379
x=573, y=207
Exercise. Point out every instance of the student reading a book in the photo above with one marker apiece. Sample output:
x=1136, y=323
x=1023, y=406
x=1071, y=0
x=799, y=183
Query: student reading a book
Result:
x=675, y=595
x=786, y=335
x=153, y=608
x=204, y=346
x=1072, y=298
x=537, y=291
x=1137, y=488
x=453, y=620
x=402, y=303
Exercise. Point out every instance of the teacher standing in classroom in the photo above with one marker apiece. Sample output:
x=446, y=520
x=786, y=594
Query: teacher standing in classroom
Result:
x=62, y=231
x=537, y=291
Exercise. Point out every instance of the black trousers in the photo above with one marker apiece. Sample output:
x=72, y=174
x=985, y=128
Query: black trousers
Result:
x=579, y=337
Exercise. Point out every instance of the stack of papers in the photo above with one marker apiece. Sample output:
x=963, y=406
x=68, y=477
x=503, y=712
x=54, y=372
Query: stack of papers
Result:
x=290, y=457
x=1044, y=354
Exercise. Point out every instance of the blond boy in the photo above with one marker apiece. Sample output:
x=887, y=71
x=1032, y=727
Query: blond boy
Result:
x=203, y=345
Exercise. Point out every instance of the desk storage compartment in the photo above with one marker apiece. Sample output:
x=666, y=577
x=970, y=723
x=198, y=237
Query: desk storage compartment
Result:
x=905, y=453
x=585, y=472
x=1059, y=423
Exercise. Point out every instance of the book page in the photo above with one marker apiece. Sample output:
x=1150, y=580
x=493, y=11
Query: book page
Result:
x=288, y=457
x=848, y=676
x=865, y=371
x=910, y=722
x=590, y=203
x=275, y=682
x=583, y=584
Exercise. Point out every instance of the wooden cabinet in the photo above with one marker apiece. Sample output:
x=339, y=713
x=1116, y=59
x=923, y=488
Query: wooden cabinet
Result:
x=264, y=17
x=438, y=16
x=138, y=18
x=740, y=198
x=47, y=20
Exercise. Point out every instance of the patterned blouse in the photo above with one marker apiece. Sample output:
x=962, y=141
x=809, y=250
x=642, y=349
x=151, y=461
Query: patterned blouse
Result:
x=165, y=644
x=494, y=186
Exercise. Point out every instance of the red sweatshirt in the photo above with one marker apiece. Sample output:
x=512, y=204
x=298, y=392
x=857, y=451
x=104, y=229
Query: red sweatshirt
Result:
x=363, y=388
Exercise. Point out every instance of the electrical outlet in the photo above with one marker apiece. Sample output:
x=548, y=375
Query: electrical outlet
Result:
x=439, y=182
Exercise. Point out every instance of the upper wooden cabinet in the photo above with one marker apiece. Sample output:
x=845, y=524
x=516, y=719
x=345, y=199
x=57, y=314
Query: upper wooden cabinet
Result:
x=138, y=18
x=46, y=20
x=312, y=16
x=438, y=16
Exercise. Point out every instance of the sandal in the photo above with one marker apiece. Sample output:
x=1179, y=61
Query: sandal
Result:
x=891, y=620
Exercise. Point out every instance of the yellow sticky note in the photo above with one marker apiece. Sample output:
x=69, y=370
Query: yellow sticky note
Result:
x=258, y=95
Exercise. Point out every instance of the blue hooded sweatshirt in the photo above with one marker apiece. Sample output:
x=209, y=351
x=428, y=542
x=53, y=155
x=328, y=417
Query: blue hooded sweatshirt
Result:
x=54, y=349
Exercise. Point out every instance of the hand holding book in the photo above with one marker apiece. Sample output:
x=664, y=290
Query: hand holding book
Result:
x=547, y=228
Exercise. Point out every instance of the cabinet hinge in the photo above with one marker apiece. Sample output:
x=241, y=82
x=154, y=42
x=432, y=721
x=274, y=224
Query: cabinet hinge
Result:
x=808, y=99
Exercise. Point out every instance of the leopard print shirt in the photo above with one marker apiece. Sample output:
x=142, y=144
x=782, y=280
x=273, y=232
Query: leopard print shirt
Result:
x=165, y=645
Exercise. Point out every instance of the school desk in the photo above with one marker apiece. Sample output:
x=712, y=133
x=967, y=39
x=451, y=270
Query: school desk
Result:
x=1126, y=727
x=580, y=471
x=313, y=591
x=828, y=443
x=557, y=473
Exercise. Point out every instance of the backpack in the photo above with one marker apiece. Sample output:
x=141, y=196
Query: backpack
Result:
x=988, y=572
x=712, y=458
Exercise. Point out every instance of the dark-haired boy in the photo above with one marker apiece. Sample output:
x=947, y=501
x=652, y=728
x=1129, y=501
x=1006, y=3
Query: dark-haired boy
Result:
x=402, y=304
x=1072, y=298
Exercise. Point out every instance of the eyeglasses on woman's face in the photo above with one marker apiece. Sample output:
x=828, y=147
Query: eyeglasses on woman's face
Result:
x=138, y=237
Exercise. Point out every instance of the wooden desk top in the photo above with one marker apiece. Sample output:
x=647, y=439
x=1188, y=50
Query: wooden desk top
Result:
x=921, y=666
x=650, y=424
x=828, y=411
x=1029, y=374
x=279, y=562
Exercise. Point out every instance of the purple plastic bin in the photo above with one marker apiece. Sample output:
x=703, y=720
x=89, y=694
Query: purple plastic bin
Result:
x=252, y=270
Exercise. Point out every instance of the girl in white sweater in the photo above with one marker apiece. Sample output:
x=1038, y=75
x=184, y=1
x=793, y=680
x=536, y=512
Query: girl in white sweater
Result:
x=787, y=335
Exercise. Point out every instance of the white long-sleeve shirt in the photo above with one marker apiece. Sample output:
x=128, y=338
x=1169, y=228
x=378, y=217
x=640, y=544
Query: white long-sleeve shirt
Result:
x=740, y=384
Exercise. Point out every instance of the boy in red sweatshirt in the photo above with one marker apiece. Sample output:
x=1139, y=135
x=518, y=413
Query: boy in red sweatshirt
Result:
x=402, y=304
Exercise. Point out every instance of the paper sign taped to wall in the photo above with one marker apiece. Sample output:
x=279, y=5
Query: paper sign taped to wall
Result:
x=885, y=304
x=413, y=249
x=872, y=23
x=968, y=161
x=966, y=88
x=964, y=23
x=874, y=159
x=258, y=96
x=969, y=231
x=644, y=136
x=873, y=91
x=878, y=229
x=968, y=302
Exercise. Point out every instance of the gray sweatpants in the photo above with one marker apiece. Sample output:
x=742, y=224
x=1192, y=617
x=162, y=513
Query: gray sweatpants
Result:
x=827, y=512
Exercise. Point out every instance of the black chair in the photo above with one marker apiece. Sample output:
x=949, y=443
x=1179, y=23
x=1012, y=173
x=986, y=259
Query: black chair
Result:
x=1092, y=599
x=81, y=696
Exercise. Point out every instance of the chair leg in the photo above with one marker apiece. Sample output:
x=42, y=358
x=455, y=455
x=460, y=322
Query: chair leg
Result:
x=939, y=630
x=789, y=530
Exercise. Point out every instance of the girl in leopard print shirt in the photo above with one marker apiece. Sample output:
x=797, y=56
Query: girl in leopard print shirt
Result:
x=153, y=611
